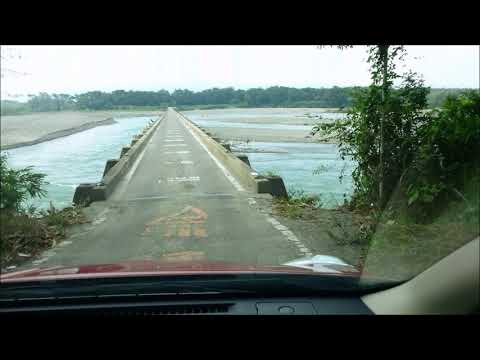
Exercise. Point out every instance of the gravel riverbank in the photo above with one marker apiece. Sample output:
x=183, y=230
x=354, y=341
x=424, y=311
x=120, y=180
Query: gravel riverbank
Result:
x=30, y=129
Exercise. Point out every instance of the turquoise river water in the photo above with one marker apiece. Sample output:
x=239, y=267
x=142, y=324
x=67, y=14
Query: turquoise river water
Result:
x=81, y=157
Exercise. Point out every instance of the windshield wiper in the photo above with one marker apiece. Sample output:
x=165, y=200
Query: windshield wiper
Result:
x=257, y=285
x=57, y=290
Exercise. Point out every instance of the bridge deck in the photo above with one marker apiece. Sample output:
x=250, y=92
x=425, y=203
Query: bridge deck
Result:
x=177, y=203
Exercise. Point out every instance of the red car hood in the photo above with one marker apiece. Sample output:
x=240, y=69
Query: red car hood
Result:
x=155, y=268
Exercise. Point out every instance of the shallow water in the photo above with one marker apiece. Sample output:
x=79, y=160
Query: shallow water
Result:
x=231, y=124
x=231, y=120
x=81, y=157
x=295, y=163
x=257, y=113
x=77, y=158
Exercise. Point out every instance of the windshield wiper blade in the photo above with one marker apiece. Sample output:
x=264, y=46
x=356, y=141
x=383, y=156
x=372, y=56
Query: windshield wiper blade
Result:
x=139, y=288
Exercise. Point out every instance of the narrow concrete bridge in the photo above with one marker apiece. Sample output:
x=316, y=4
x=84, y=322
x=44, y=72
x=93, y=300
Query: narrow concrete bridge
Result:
x=177, y=194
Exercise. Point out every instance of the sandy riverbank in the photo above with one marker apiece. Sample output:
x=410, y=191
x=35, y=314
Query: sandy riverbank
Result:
x=262, y=135
x=304, y=118
x=25, y=130
x=284, y=116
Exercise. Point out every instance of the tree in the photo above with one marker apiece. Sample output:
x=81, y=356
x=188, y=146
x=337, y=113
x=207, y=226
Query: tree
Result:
x=384, y=121
x=447, y=164
x=336, y=97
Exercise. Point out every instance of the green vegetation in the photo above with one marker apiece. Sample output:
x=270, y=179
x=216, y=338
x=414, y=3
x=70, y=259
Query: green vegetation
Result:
x=417, y=175
x=17, y=185
x=381, y=135
x=396, y=144
x=25, y=232
x=437, y=97
x=9, y=107
x=275, y=96
x=270, y=173
x=296, y=204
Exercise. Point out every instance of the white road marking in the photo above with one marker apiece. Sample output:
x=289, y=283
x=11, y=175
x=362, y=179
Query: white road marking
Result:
x=288, y=234
x=183, y=179
x=183, y=162
x=80, y=233
x=36, y=262
x=174, y=145
x=273, y=221
x=101, y=217
x=173, y=140
x=178, y=152
x=227, y=174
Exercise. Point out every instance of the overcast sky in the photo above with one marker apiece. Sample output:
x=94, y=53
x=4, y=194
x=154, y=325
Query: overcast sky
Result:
x=76, y=69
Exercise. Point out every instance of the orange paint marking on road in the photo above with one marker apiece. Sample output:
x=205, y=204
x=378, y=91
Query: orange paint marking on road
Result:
x=170, y=231
x=182, y=224
x=184, y=230
x=199, y=231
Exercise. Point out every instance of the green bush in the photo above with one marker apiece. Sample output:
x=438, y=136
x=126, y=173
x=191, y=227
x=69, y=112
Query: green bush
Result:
x=270, y=173
x=9, y=107
x=448, y=156
x=16, y=186
x=359, y=137
x=297, y=202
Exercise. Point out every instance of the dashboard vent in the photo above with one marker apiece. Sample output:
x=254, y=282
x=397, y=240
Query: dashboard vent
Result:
x=189, y=309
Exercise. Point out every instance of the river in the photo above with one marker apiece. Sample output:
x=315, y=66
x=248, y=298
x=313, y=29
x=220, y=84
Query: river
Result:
x=74, y=159
x=81, y=157
x=296, y=162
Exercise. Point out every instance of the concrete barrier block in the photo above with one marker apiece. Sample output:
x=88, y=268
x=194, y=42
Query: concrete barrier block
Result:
x=98, y=193
x=263, y=185
x=240, y=166
x=124, y=150
x=86, y=193
x=277, y=186
x=110, y=163
x=272, y=185
x=244, y=158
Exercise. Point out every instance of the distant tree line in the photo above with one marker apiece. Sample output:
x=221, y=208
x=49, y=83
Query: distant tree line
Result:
x=275, y=96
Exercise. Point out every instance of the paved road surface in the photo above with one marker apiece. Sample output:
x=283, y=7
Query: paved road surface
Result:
x=176, y=199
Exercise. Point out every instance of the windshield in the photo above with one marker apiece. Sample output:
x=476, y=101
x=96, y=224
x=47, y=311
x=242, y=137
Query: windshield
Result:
x=342, y=164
